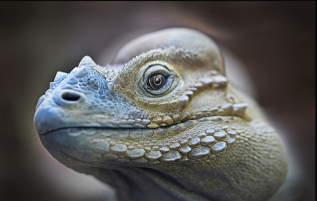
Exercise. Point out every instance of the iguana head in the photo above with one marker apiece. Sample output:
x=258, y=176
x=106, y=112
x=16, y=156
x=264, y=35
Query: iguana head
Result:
x=164, y=107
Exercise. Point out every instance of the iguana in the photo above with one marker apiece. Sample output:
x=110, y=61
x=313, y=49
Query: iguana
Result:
x=162, y=123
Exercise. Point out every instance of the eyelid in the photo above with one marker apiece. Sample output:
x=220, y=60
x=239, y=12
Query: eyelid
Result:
x=156, y=69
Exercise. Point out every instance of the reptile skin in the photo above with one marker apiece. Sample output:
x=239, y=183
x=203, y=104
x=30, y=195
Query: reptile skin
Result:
x=196, y=138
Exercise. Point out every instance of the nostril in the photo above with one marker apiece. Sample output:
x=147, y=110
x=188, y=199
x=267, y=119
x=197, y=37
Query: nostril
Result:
x=68, y=96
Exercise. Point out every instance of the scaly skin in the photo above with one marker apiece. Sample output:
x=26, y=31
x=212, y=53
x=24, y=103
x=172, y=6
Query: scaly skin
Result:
x=196, y=138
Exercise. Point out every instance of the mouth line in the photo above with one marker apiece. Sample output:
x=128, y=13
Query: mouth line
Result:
x=212, y=118
x=90, y=127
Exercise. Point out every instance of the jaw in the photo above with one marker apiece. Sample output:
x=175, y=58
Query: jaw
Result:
x=109, y=151
x=143, y=156
x=199, y=139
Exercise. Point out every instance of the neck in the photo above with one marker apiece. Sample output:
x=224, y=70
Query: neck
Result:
x=142, y=184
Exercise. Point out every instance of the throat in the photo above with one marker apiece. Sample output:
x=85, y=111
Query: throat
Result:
x=145, y=184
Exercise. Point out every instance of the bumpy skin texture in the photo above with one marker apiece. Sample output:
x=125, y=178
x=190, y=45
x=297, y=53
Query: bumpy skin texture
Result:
x=196, y=138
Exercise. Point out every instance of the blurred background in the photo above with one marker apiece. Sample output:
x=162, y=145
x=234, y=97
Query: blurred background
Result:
x=271, y=42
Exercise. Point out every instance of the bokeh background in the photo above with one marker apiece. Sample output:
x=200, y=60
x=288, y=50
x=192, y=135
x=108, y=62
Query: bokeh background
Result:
x=274, y=41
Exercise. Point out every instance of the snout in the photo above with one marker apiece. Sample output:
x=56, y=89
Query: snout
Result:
x=47, y=119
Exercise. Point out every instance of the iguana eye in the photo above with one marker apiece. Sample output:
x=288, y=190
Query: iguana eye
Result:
x=157, y=81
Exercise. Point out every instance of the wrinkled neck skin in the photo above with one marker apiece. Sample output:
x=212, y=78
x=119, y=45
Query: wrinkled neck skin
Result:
x=146, y=183
x=162, y=122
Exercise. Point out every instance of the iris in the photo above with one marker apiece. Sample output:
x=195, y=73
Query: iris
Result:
x=157, y=81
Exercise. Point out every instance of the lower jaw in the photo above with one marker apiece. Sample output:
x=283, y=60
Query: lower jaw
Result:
x=104, y=146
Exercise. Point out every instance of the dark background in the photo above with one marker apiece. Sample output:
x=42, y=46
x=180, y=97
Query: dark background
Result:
x=275, y=41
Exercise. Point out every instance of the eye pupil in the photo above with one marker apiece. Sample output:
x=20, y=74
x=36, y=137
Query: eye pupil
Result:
x=157, y=81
